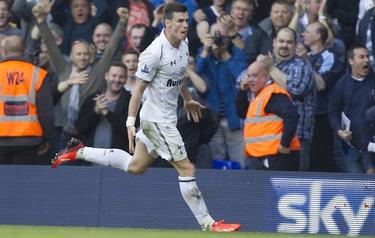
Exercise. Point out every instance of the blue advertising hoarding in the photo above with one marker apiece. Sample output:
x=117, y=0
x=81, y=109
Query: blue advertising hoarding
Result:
x=333, y=206
x=261, y=201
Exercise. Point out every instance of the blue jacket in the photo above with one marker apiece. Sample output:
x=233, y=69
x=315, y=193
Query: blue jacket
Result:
x=221, y=80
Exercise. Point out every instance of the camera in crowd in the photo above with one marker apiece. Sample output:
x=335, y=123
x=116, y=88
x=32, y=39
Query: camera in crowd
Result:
x=218, y=39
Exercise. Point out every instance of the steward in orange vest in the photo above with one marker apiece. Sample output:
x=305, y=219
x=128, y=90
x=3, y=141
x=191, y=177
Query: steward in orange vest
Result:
x=270, y=122
x=263, y=131
x=20, y=82
x=26, y=110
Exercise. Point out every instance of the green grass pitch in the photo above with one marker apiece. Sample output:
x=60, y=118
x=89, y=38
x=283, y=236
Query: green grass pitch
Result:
x=79, y=232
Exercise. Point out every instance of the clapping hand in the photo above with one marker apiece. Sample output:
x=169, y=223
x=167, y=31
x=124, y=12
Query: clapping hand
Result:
x=266, y=59
x=101, y=104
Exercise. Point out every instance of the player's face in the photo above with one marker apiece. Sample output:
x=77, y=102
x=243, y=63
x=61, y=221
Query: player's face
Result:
x=116, y=79
x=179, y=25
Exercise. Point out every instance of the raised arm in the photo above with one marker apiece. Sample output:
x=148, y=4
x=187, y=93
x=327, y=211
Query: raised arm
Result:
x=40, y=11
x=297, y=12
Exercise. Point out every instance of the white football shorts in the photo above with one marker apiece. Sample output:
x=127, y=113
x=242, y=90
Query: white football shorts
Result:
x=162, y=139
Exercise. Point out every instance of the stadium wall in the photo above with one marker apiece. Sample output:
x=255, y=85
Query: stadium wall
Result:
x=260, y=201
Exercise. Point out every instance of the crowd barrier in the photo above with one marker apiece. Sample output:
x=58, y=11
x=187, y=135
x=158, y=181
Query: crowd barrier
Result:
x=261, y=201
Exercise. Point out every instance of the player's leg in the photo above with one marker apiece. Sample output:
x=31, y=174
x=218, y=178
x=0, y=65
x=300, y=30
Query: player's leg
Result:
x=75, y=150
x=116, y=158
x=193, y=197
x=191, y=193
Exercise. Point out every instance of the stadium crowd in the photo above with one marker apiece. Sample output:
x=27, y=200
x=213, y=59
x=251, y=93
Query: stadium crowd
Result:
x=316, y=57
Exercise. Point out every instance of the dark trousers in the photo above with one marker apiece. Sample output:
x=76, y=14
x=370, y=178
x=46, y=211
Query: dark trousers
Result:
x=280, y=162
x=322, y=147
x=25, y=154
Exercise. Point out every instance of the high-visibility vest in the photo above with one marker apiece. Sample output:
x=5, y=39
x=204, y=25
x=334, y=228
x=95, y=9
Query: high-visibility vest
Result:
x=20, y=81
x=263, y=131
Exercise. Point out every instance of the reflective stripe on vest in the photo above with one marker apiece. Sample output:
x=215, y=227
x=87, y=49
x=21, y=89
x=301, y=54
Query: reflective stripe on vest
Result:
x=19, y=118
x=262, y=138
x=263, y=119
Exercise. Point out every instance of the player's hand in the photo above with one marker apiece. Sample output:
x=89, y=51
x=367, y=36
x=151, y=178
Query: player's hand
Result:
x=193, y=110
x=131, y=138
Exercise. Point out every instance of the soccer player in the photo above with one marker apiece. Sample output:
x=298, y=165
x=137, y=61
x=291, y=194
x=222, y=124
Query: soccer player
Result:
x=161, y=70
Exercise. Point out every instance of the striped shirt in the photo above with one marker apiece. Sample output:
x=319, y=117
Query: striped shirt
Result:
x=300, y=84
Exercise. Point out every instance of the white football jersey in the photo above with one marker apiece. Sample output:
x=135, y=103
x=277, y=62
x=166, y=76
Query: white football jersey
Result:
x=163, y=66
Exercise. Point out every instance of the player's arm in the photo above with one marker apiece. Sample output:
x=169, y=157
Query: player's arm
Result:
x=185, y=94
x=135, y=100
x=134, y=105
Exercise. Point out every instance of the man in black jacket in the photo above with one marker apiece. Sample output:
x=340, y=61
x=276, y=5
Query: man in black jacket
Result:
x=101, y=120
x=352, y=95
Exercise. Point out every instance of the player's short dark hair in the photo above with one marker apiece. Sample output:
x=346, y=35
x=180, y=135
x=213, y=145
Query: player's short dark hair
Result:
x=356, y=45
x=171, y=8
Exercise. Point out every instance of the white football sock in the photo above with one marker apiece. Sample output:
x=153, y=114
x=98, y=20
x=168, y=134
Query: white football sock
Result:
x=115, y=158
x=193, y=197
